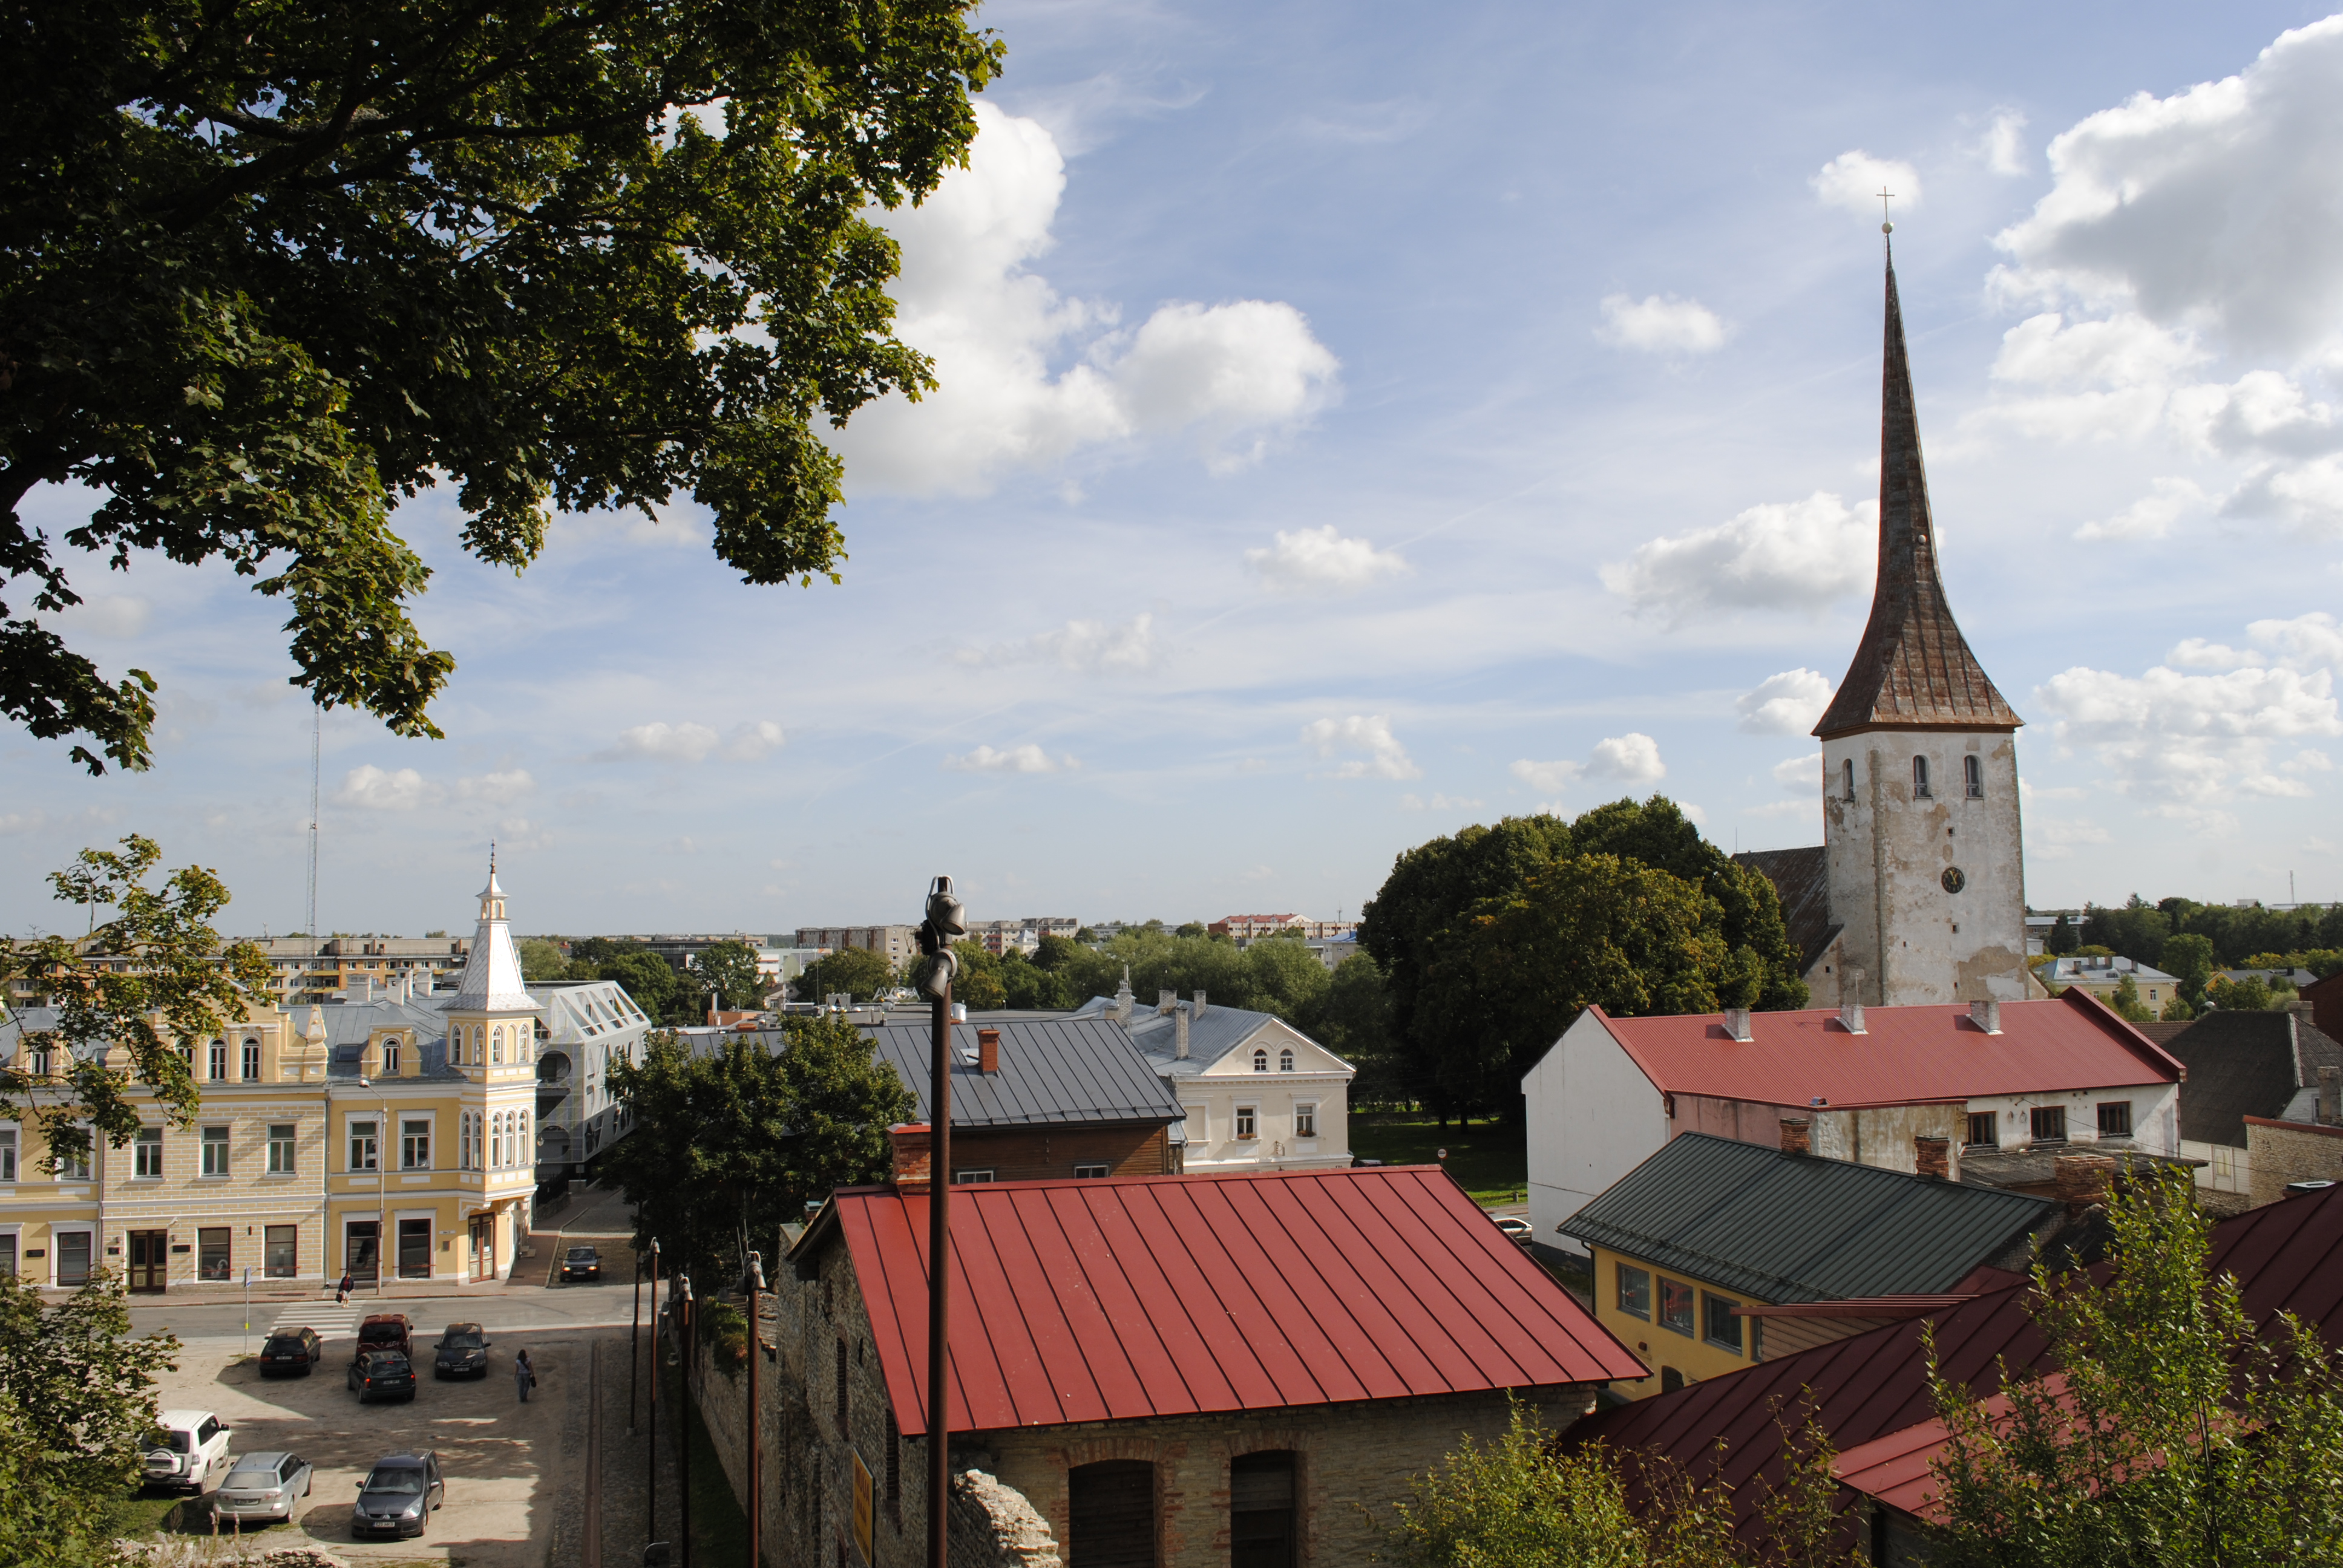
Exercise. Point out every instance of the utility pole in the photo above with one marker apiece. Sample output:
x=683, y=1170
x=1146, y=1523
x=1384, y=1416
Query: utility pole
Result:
x=946, y=919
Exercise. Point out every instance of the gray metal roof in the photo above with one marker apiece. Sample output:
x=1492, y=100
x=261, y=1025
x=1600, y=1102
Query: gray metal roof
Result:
x=349, y=1024
x=1057, y=1071
x=2246, y=1063
x=1797, y=1227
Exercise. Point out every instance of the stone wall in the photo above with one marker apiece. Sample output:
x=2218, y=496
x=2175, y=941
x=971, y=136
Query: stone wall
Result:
x=2282, y=1151
x=1042, y=1153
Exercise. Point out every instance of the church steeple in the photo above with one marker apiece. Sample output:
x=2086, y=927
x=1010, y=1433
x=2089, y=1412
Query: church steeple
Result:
x=492, y=979
x=1913, y=669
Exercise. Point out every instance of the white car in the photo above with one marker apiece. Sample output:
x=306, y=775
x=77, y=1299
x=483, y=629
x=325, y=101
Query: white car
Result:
x=184, y=1449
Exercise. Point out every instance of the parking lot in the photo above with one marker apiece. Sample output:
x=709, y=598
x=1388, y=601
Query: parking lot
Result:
x=514, y=1471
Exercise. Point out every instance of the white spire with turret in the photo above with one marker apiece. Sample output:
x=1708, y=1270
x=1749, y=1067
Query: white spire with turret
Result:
x=492, y=978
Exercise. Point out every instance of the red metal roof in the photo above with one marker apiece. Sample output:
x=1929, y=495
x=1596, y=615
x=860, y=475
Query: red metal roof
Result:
x=2285, y=1256
x=1110, y=1300
x=1906, y=1055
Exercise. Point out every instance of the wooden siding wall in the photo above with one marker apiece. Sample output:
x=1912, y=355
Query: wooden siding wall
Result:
x=1036, y=1153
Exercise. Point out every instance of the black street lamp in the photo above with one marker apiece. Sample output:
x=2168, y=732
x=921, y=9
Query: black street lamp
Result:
x=946, y=919
x=752, y=1285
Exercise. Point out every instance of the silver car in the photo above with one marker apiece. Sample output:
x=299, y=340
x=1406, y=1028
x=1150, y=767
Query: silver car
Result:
x=262, y=1489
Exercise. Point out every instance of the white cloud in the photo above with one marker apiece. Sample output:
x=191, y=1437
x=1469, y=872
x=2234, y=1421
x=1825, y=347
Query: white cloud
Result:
x=1233, y=377
x=1854, y=179
x=687, y=742
x=1323, y=560
x=2152, y=514
x=2307, y=760
x=1438, y=803
x=1092, y=646
x=1661, y=326
x=1790, y=703
x=2307, y=642
x=1025, y=758
x=2127, y=350
x=1800, y=774
x=2308, y=494
x=497, y=789
x=1370, y=734
x=1632, y=758
x=1800, y=556
x=2053, y=839
x=374, y=789
x=2197, y=653
x=2213, y=207
x=2003, y=146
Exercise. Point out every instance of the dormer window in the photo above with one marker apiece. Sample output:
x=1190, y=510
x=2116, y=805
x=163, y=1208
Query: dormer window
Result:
x=1919, y=779
x=1973, y=777
x=252, y=1061
x=1847, y=779
x=1261, y=1061
x=390, y=1056
x=1285, y=1062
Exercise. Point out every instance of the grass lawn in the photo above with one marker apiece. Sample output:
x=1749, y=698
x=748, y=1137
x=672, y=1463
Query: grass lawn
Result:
x=1489, y=1160
x=139, y=1515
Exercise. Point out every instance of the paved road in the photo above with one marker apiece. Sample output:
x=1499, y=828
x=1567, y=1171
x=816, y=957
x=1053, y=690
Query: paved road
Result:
x=215, y=1323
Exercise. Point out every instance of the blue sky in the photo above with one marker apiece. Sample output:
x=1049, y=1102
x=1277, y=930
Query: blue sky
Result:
x=1359, y=422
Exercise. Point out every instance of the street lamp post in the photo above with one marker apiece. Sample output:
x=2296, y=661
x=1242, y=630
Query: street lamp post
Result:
x=650, y=1516
x=945, y=920
x=683, y=1419
x=381, y=1185
x=753, y=1286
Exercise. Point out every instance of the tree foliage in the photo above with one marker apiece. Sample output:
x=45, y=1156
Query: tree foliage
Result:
x=653, y=984
x=2172, y=1434
x=178, y=986
x=2309, y=936
x=730, y=968
x=76, y=1396
x=542, y=960
x=272, y=270
x=857, y=973
x=726, y=1147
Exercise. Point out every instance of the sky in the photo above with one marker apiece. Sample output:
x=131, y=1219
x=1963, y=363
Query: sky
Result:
x=1360, y=421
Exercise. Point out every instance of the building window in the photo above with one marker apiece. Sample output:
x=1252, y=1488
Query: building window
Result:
x=215, y=1150
x=1984, y=1129
x=1847, y=779
x=1719, y=1327
x=7, y=1154
x=1247, y=1118
x=497, y=1046
x=73, y=1257
x=73, y=1164
x=1261, y=1061
x=1087, y=1171
x=1264, y=1524
x=1919, y=779
x=844, y=1434
x=968, y=1178
x=218, y=1061
x=415, y=1145
x=252, y=1061
x=211, y=1252
x=147, y=1152
x=280, y=1148
x=1305, y=1119
x=894, y=1470
x=390, y=1056
x=2115, y=1118
x=1973, y=777
x=1634, y=1290
x=2049, y=1124
x=362, y=1145
x=1285, y=1062
x=281, y=1257
x=1675, y=1305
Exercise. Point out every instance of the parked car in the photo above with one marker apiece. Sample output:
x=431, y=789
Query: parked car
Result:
x=398, y=1495
x=387, y=1331
x=1517, y=1228
x=290, y=1352
x=262, y=1489
x=382, y=1374
x=581, y=1263
x=185, y=1447
x=462, y=1351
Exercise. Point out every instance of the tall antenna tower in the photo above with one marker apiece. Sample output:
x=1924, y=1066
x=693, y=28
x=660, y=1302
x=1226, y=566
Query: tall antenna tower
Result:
x=316, y=730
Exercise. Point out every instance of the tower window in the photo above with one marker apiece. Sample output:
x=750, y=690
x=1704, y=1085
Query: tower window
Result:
x=1846, y=777
x=1973, y=777
x=1919, y=779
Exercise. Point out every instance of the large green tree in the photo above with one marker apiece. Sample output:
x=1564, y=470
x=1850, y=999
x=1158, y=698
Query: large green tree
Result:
x=725, y=1148
x=857, y=972
x=730, y=968
x=653, y=984
x=271, y=269
x=153, y=978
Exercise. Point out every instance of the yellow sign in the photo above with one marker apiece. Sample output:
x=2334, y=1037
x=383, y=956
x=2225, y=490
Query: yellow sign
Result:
x=862, y=1507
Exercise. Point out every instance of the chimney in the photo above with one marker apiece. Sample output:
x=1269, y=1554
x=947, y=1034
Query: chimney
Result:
x=987, y=1050
x=1797, y=1135
x=1179, y=1033
x=1850, y=1000
x=912, y=1142
x=1932, y=1157
x=1986, y=1016
x=1737, y=1022
x=1165, y=1000
x=2080, y=1180
x=2330, y=1097
x=1199, y=1010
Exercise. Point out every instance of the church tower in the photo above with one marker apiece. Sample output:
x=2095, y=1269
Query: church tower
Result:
x=1925, y=877
x=492, y=1023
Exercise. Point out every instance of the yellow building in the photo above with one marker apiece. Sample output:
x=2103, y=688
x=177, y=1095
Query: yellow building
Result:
x=391, y=1133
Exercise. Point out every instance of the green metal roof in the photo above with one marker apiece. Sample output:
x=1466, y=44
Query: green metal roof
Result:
x=1798, y=1228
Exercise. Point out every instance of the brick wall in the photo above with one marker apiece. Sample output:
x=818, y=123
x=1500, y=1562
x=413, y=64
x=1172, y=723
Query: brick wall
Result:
x=1036, y=1153
x=2278, y=1152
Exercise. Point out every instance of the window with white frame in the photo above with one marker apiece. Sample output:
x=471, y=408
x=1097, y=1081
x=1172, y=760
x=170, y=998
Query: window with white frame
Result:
x=497, y=1046
x=1261, y=1061
x=1920, y=778
x=1973, y=777
x=1305, y=1119
x=252, y=1061
x=362, y=1144
x=390, y=1043
x=7, y=1154
x=1285, y=1062
x=215, y=1150
x=1248, y=1122
x=415, y=1144
x=147, y=1152
x=218, y=1061
x=280, y=1148
x=73, y=1164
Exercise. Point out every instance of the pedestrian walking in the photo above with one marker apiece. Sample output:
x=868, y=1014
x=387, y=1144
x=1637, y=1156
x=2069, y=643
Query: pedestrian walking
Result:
x=524, y=1374
x=342, y=1292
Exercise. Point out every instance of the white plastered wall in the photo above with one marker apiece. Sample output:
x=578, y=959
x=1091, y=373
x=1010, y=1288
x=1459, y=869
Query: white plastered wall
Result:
x=1592, y=1117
